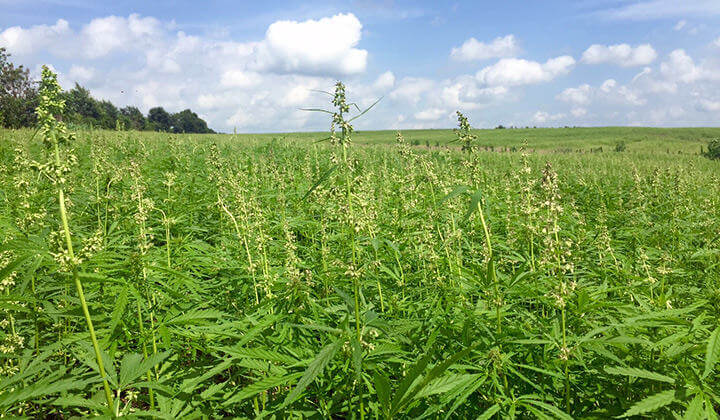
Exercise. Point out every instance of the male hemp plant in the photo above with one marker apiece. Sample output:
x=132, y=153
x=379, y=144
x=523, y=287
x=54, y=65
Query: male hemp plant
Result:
x=54, y=135
x=463, y=133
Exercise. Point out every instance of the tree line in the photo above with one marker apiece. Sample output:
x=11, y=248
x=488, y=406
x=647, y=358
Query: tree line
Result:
x=19, y=97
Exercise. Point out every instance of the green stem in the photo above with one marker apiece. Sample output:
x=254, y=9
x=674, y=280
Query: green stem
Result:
x=491, y=269
x=78, y=285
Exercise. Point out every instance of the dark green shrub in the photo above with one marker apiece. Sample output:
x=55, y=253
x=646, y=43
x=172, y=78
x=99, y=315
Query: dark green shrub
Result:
x=713, y=150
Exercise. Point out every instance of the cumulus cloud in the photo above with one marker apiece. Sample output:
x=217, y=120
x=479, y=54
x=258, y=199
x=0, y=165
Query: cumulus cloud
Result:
x=432, y=114
x=620, y=54
x=578, y=112
x=542, y=117
x=385, y=81
x=240, y=78
x=579, y=95
x=516, y=71
x=474, y=50
x=609, y=92
x=411, y=89
x=25, y=41
x=81, y=74
x=104, y=35
x=313, y=46
x=681, y=67
x=708, y=105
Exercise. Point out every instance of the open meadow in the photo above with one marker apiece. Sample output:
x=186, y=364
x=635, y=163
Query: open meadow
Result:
x=277, y=276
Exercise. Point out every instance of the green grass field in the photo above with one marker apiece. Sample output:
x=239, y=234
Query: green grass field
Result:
x=637, y=139
x=273, y=276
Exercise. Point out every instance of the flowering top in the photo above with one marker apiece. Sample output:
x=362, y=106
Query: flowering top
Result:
x=463, y=132
x=338, y=120
x=51, y=105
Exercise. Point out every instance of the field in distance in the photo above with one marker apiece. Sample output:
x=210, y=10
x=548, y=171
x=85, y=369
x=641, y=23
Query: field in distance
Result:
x=637, y=139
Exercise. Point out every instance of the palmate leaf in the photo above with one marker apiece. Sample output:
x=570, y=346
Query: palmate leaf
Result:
x=712, y=352
x=487, y=414
x=259, y=386
x=695, y=409
x=315, y=368
x=382, y=388
x=556, y=412
x=399, y=402
x=639, y=373
x=45, y=386
x=651, y=403
x=133, y=366
x=195, y=316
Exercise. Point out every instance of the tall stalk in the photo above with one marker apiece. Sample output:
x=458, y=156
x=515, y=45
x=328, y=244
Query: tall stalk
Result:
x=54, y=132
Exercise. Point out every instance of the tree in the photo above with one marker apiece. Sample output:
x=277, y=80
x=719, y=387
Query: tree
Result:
x=83, y=108
x=18, y=94
x=187, y=121
x=109, y=115
x=132, y=118
x=160, y=119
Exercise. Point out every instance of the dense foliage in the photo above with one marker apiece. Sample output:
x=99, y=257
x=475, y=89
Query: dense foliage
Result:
x=18, y=99
x=713, y=150
x=18, y=96
x=294, y=278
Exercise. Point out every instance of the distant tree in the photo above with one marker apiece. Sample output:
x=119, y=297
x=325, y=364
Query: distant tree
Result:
x=108, y=115
x=187, y=121
x=18, y=94
x=160, y=119
x=500, y=127
x=132, y=118
x=82, y=108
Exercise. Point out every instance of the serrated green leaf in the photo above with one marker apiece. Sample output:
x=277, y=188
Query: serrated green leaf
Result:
x=712, y=352
x=639, y=373
x=313, y=370
x=651, y=403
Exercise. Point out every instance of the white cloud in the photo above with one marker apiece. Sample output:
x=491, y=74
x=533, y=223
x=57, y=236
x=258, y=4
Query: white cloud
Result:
x=542, y=117
x=608, y=93
x=105, y=35
x=680, y=67
x=579, y=95
x=716, y=43
x=515, y=71
x=239, y=78
x=578, y=112
x=81, y=74
x=680, y=25
x=432, y=114
x=608, y=85
x=410, y=89
x=319, y=46
x=21, y=41
x=385, y=81
x=620, y=54
x=708, y=105
x=474, y=50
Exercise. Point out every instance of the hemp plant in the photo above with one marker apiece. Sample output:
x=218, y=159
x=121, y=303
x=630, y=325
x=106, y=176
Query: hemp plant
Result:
x=463, y=133
x=54, y=133
x=341, y=122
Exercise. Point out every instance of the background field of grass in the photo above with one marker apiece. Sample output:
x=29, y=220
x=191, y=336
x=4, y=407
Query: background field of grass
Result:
x=637, y=139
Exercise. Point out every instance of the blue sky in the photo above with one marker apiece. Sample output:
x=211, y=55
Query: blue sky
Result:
x=252, y=65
